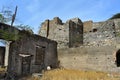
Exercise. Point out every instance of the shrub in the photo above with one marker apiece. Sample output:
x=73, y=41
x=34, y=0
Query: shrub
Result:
x=115, y=16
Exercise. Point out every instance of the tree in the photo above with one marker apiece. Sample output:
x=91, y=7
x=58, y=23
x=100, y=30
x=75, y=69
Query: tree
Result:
x=25, y=27
x=6, y=15
x=115, y=16
x=1, y=17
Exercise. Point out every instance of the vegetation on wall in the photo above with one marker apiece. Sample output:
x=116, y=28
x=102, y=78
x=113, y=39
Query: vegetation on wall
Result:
x=5, y=17
x=9, y=36
x=115, y=16
x=25, y=27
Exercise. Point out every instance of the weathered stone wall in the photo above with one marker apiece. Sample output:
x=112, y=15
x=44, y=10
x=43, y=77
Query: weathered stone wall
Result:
x=56, y=31
x=100, y=41
x=102, y=33
x=75, y=32
x=67, y=34
x=87, y=26
x=89, y=58
x=117, y=30
x=2, y=55
x=32, y=54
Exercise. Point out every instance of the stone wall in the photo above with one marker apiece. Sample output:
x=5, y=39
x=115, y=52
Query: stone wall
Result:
x=89, y=58
x=87, y=26
x=117, y=30
x=75, y=32
x=72, y=34
x=67, y=34
x=100, y=41
x=31, y=54
x=102, y=33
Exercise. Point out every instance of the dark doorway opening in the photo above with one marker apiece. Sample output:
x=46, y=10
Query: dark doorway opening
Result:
x=118, y=58
x=94, y=30
x=26, y=65
x=40, y=52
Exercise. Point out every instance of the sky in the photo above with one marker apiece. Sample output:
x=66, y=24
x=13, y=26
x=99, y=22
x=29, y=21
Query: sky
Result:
x=34, y=12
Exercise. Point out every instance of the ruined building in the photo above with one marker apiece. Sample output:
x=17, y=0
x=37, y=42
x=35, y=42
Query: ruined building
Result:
x=26, y=53
x=7, y=33
x=32, y=54
x=98, y=48
x=77, y=33
x=69, y=34
x=102, y=33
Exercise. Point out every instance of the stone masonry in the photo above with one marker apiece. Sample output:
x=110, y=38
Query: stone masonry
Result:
x=101, y=34
x=98, y=51
x=74, y=33
x=31, y=54
x=69, y=34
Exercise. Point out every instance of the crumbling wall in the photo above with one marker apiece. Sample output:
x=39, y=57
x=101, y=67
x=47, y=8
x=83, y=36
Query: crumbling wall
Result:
x=117, y=30
x=87, y=26
x=56, y=31
x=32, y=54
x=66, y=34
x=89, y=58
x=75, y=32
x=89, y=33
x=102, y=33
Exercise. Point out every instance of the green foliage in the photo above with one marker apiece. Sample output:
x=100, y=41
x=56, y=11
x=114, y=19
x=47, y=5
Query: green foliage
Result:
x=115, y=16
x=5, y=17
x=25, y=27
x=9, y=36
x=1, y=18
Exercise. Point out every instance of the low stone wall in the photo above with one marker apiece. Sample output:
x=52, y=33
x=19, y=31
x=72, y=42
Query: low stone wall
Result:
x=89, y=58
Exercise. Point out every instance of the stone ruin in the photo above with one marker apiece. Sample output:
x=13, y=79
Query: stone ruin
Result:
x=97, y=43
x=69, y=34
x=7, y=33
x=32, y=54
x=27, y=53
x=76, y=33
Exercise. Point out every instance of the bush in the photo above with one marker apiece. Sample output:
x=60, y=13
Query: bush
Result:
x=115, y=16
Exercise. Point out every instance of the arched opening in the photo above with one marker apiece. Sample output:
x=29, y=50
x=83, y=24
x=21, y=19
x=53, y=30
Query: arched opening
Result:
x=118, y=58
x=94, y=30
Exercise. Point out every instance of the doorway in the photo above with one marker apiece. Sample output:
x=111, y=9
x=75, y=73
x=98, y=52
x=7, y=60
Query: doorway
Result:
x=118, y=58
x=40, y=52
x=26, y=61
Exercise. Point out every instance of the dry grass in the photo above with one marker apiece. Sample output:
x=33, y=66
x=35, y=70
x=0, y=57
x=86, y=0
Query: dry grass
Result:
x=30, y=78
x=65, y=74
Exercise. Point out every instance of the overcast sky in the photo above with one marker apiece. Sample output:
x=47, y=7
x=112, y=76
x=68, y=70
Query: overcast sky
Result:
x=33, y=12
